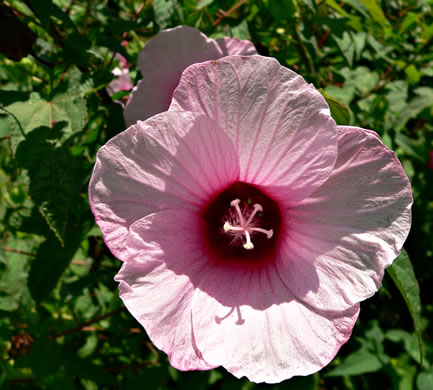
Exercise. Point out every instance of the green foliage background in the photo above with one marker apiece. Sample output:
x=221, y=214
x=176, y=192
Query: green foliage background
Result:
x=62, y=324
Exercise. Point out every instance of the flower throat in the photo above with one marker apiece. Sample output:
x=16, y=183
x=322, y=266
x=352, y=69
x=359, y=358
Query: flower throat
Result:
x=242, y=222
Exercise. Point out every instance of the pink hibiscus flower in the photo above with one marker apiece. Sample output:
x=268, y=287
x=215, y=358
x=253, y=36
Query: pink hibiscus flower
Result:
x=122, y=82
x=249, y=224
x=163, y=60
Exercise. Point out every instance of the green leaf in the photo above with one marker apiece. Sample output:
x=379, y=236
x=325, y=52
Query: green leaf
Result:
x=204, y=3
x=240, y=31
x=344, y=95
x=380, y=49
x=357, y=4
x=339, y=111
x=52, y=175
x=76, y=48
x=357, y=363
x=375, y=11
x=164, y=10
x=410, y=342
x=424, y=381
x=359, y=40
x=411, y=147
x=402, y=373
x=360, y=78
x=423, y=100
x=51, y=261
x=42, y=10
x=397, y=96
x=13, y=274
x=401, y=272
x=370, y=357
x=70, y=108
x=413, y=75
x=333, y=4
x=9, y=97
x=409, y=20
x=89, y=347
x=346, y=46
x=282, y=9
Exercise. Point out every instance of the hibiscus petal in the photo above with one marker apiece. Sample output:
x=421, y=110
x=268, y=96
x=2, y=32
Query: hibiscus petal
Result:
x=161, y=63
x=156, y=283
x=351, y=228
x=280, y=125
x=242, y=317
x=234, y=46
x=169, y=161
x=158, y=299
x=253, y=326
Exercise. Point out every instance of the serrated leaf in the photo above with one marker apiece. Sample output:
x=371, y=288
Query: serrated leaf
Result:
x=423, y=100
x=77, y=84
x=401, y=272
x=69, y=108
x=163, y=11
x=51, y=261
x=51, y=171
x=339, y=111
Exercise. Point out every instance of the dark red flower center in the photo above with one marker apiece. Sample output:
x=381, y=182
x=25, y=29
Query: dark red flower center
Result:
x=242, y=223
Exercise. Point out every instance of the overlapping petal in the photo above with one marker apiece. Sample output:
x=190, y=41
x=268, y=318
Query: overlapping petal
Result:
x=172, y=160
x=157, y=281
x=225, y=314
x=163, y=60
x=281, y=127
x=234, y=46
x=351, y=228
x=272, y=338
x=342, y=195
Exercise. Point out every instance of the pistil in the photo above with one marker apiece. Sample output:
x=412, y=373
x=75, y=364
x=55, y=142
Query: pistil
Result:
x=245, y=226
